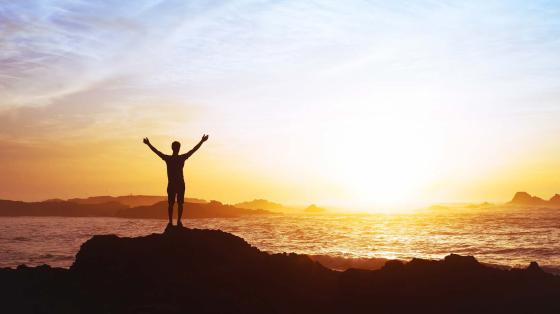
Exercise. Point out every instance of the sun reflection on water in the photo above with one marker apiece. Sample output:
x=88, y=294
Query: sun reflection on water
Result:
x=502, y=236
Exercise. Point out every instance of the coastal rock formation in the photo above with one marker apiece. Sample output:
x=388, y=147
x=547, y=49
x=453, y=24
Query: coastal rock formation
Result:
x=262, y=204
x=555, y=200
x=314, y=209
x=524, y=198
x=210, y=271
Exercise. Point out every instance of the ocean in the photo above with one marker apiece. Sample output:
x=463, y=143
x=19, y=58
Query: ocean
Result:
x=500, y=236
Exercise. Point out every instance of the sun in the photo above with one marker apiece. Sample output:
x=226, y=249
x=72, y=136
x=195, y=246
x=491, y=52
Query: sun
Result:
x=384, y=162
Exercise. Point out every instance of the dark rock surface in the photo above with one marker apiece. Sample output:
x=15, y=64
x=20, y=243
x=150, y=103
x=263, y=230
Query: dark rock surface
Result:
x=210, y=271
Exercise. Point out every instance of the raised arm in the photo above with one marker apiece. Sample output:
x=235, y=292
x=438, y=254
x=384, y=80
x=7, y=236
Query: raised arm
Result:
x=196, y=147
x=147, y=142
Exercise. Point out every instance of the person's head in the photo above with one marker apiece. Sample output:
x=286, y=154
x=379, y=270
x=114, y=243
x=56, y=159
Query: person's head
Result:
x=175, y=146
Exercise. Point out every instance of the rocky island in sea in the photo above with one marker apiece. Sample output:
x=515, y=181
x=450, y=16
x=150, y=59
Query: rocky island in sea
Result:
x=526, y=199
x=131, y=206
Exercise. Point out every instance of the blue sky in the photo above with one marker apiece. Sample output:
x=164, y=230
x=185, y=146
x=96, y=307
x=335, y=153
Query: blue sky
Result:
x=446, y=80
x=186, y=43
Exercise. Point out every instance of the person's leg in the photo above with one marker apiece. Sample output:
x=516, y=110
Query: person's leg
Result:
x=179, y=214
x=170, y=212
x=170, y=202
x=180, y=201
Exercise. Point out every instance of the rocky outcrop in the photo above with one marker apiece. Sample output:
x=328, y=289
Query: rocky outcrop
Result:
x=555, y=200
x=314, y=209
x=210, y=271
x=524, y=198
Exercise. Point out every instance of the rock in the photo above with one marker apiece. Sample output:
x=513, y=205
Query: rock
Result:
x=461, y=262
x=524, y=198
x=555, y=200
x=534, y=268
x=210, y=271
x=393, y=265
x=314, y=209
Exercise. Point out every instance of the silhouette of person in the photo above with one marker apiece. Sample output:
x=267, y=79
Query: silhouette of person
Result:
x=175, y=179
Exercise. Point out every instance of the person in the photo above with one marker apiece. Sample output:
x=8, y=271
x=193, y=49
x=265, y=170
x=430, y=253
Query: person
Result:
x=175, y=179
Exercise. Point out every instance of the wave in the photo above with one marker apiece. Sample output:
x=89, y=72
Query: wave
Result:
x=340, y=263
x=21, y=239
x=539, y=251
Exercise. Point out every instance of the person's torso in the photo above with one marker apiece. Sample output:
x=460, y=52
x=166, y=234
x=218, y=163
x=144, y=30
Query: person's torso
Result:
x=175, y=164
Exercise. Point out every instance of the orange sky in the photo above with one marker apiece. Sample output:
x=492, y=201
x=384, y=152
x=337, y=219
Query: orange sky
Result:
x=361, y=106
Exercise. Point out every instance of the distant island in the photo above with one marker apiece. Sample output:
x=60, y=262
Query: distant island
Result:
x=131, y=206
x=263, y=204
x=314, y=209
x=211, y=271
x=212, y=209
x=277, y=207
x=130, y=200
x=526, y=199
x=154, y=206
x=143, y=206
x=522, y=199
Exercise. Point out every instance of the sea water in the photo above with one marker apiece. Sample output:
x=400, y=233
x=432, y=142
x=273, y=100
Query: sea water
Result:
x=501, y=236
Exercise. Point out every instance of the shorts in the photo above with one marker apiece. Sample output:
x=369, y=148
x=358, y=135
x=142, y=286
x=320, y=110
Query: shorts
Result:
x=176, y=191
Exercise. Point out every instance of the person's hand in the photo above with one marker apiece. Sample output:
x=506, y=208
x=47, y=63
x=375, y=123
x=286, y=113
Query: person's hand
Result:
x=146, y=141
x=204, y=138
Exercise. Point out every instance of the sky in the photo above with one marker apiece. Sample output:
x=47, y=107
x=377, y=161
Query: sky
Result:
x=351, y=104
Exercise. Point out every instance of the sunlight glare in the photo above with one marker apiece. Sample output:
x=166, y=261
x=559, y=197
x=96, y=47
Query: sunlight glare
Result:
x=387, y=161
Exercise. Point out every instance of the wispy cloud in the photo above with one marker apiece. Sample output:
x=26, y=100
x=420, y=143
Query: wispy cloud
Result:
x=83, y=68
x=53, y=48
